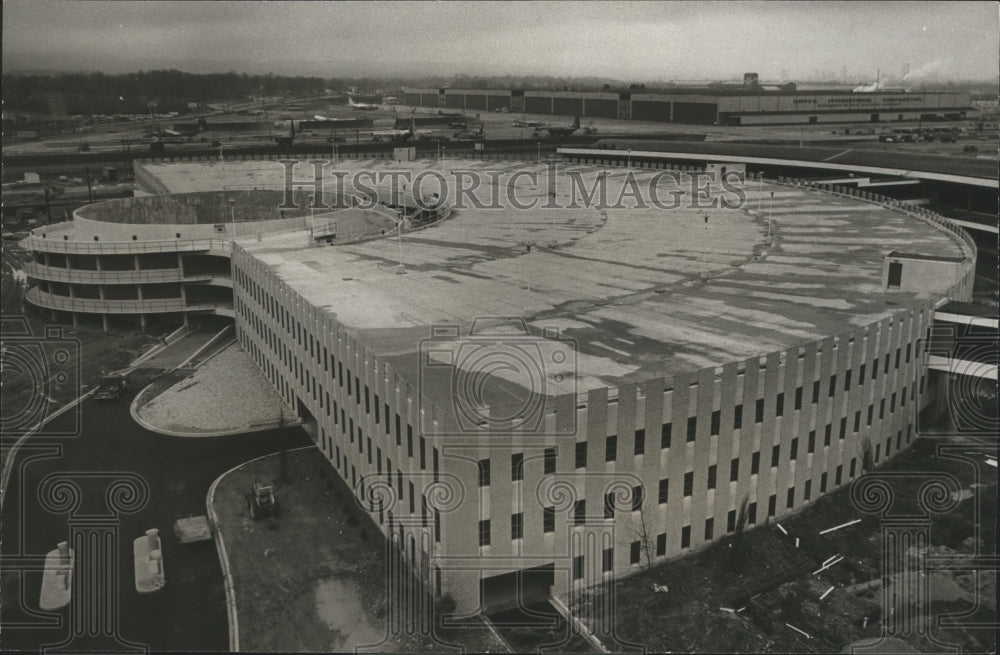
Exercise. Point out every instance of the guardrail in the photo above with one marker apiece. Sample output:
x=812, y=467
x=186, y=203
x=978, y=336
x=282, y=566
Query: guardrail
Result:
x=36, y=243
x=97, y=306
x=89, y=276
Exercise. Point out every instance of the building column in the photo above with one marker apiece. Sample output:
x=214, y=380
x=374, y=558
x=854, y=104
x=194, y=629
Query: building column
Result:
x=142, y=323
x=76, y=320
x=135, y=259
x=104, y=322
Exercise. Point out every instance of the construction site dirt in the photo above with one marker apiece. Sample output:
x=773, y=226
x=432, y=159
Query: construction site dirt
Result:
x=785, y=587
x=316, y=577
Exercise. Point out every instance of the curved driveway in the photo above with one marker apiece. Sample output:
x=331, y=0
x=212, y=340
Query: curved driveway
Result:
x=190, y=613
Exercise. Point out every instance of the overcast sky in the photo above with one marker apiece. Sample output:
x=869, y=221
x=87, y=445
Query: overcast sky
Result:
x=639, y=41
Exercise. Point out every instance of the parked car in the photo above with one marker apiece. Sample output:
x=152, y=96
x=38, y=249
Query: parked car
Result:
x=111, y=387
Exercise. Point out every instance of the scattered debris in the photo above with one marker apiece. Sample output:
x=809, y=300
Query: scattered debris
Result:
x=842, y=525
x=827, y=592
x=827, y=564
x=862, y=587
x=991, y=462
x=727, y=609
x=802, y=632
x=784, y=531
x=660, y=588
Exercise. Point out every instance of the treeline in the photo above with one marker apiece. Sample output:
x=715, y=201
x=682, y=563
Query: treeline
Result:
x=170, y=90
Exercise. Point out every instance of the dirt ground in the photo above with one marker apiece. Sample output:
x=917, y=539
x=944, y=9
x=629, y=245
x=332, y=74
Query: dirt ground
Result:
x=740, y=595
x=314, y=578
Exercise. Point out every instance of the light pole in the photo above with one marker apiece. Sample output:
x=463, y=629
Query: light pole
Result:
x=399, y=231
x=232, y=214
x=628, y=161
x=539, y=151
x=770, y=209
x=760, y=192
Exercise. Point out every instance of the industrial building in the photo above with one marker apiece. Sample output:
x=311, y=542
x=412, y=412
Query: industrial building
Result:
x=688, y=361
x=748, y=104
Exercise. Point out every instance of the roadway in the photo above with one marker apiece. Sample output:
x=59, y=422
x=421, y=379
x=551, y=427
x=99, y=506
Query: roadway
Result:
x=189, y=614
x=847, y=156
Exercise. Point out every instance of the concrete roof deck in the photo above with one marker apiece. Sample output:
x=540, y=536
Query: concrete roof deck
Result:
x=643, y=293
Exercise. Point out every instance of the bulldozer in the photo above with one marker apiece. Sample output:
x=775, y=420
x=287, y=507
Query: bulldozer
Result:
x=261, y=502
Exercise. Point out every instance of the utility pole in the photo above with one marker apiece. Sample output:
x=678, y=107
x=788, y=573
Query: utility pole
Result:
x=90, y=189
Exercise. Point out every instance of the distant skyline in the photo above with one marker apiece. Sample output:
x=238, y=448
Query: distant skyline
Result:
x=635, y=41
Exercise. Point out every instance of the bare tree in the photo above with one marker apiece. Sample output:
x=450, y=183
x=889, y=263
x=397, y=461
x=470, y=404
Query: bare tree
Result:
x=640, y=532
x=867, y=459
x=736, y=550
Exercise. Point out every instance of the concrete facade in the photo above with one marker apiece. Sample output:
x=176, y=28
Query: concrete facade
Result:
x=162, y=257
x=806, y=414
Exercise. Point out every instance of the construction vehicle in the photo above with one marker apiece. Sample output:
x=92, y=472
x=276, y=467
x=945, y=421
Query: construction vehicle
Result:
x=261, y=502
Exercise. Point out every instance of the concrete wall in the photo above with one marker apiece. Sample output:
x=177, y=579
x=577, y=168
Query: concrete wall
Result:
x=922, y=275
